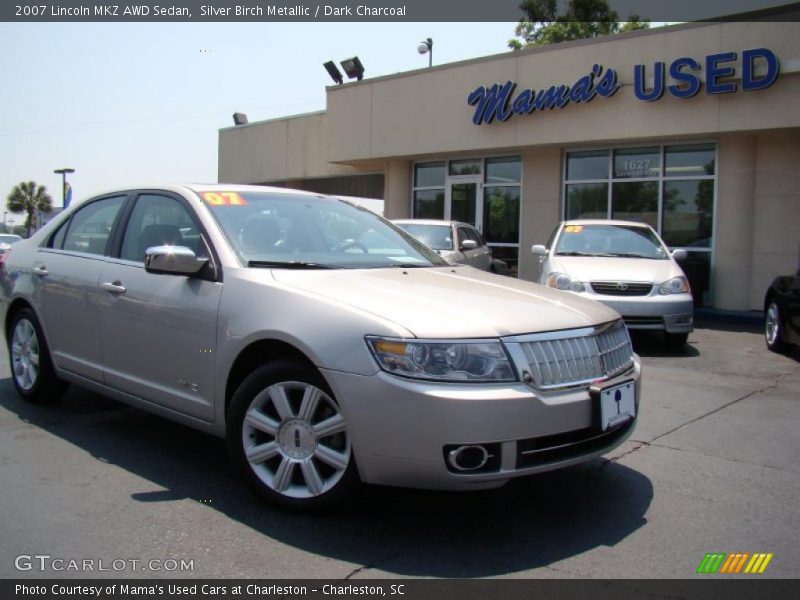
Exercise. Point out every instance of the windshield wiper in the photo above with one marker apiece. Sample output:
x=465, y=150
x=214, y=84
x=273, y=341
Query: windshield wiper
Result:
x=575, y=254
x=291, y=264
x=629, y=255
x=405, y=266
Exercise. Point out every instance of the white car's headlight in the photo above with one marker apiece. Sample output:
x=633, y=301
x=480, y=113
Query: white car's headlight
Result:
x=562, y=281
x=475, y=361
x=676, y=285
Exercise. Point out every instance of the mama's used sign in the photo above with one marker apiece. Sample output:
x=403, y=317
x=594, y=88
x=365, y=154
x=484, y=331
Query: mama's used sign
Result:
x=502, y=101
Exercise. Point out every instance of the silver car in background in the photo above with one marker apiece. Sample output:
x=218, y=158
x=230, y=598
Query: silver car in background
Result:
x=626, y=266
x=458, y=243
x=327, y=346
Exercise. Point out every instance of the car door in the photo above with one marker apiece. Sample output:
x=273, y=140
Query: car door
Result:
x=478, y=257
x=159, y=330
x=67, y=283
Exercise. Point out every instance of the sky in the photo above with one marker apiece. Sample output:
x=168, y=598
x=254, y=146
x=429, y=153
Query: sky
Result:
x=138, y=103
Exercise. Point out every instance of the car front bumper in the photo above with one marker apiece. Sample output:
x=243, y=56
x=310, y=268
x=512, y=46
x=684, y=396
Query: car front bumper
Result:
x=402, y=429
x=673, y=313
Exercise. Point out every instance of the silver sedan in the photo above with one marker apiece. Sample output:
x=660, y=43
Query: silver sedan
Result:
x=325, y=344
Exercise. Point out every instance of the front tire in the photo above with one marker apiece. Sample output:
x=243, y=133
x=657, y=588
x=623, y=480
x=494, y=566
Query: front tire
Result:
x=676, y=341
x=773, y=328
x=288, y=438
x=31, y=366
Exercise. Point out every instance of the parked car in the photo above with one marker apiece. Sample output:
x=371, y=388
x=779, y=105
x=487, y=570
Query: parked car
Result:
x=458, y=243
x=325, y=344
x=782, y=312
x=6, y=241
x=626, y=266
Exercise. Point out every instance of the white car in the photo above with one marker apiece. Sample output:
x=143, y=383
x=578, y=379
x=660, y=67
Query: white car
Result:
x=626, y=266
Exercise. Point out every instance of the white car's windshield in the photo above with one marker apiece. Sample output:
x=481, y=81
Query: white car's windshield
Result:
x=272, y=229
x=626, y=241
x=438, y=237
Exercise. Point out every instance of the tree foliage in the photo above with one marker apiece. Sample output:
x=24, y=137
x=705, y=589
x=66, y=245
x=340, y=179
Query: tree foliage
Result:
x=29, y=197
x=542, y=24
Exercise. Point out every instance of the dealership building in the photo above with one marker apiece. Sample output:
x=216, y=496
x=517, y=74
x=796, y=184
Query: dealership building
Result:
x=692, y=128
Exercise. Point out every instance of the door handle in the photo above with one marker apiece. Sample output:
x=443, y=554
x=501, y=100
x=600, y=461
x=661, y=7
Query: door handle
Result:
x=116, y=287
x=41, y=270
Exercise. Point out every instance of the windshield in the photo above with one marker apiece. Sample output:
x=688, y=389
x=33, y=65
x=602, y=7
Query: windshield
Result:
x=626, y=241
x=438, y=237
x=273, y=229
x=9, y=239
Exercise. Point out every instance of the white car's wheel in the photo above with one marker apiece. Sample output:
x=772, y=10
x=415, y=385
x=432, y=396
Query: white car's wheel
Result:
x=31, y=368
x=289, y=437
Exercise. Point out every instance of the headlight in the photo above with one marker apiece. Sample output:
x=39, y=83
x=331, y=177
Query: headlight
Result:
x=443, y=361
x=676, y=285
x=562, y=281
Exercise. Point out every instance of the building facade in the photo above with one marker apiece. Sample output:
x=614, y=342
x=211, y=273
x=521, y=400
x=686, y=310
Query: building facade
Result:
x=694, y=129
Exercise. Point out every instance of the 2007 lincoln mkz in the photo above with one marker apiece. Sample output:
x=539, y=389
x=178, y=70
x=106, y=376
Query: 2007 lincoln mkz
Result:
x=325, y=344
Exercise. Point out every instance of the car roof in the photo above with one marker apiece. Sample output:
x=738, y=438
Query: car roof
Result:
x=605, y=222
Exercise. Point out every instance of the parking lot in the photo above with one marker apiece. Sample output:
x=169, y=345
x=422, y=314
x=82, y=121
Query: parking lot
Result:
x=714, y=466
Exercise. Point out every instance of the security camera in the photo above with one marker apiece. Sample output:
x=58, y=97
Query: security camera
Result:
x=422, y=48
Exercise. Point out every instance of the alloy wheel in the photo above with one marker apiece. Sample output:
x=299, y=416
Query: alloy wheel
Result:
x=25, y=354
x=772, y=325
x=295, y=439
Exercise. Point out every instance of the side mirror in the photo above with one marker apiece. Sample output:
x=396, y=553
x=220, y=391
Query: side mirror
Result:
x=539, y=250
x=172, y=260
x=469, y=245
x=680, y=254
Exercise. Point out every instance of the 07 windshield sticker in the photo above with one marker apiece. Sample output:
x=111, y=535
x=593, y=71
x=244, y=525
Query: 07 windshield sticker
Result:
x=573, y=228
x=223, y=199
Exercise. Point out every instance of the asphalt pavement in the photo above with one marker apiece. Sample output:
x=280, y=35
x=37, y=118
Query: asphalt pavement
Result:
x=714, y=466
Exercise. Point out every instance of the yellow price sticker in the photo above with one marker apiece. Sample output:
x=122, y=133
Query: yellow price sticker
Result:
x=573, y=228
x=223, y=199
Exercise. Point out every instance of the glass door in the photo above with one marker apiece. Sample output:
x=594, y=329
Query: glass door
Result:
x=464, y=201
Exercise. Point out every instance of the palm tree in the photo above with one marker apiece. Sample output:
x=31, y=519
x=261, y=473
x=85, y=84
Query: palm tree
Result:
x=29, y=198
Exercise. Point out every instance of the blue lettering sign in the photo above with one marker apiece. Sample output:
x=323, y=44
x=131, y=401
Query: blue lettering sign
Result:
x=639, y=82
x=748, y=67
x=714, y=72
x=692, y=82
x=498, y=102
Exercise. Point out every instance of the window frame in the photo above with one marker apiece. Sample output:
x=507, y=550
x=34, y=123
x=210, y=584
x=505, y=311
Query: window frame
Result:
x=47, y=244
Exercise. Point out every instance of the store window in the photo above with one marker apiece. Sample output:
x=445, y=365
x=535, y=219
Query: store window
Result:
x=484, y=192
x=429, y=181
x=670, y=187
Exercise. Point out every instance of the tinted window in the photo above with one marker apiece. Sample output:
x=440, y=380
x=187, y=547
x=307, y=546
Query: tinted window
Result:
x=506, y=170
x=587, y=165
x=158, y=221
x=91, y=225
x=429, y=174
x=429, y=204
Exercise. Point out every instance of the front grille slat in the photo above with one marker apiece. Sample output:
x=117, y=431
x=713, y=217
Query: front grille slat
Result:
x=568, y=361
x=621, y=288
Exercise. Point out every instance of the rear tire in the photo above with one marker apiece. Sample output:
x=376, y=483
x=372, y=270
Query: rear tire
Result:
x=288, y=438
x=773, y=328
x=31, y=366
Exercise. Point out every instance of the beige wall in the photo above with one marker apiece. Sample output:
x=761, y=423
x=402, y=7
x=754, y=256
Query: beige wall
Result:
x=541, y=204
x=397, y=189
x=426, y=112
x=278, y=150
x=776, y=223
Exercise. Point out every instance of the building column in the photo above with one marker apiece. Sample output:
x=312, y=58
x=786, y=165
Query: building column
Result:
x=734, y=214
x=397, y=189
x=540, y=211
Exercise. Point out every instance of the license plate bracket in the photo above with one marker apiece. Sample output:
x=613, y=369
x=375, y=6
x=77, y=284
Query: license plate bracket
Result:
x=613, y=405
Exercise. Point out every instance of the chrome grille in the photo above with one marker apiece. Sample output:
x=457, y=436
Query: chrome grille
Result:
x=562, y=359
x=621, y=288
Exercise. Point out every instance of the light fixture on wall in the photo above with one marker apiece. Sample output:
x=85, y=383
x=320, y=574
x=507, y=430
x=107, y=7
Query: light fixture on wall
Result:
x=239, y=118
x=335, y=74
x=426, y=47
x=353, y=68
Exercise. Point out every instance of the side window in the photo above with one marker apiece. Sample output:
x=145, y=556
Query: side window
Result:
x=159, y=221
x=475, y=235
x=57, y=239
x=463, y=234
x=90, y=226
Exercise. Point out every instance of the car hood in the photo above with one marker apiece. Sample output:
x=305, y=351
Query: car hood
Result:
x=606, y=268
x=451, y=303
